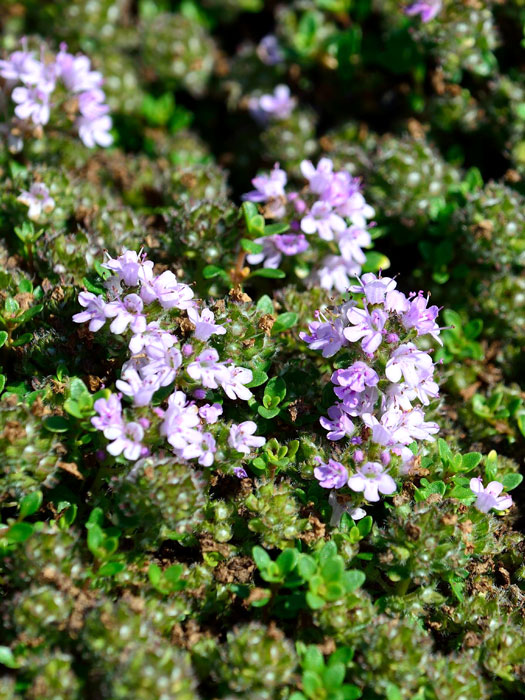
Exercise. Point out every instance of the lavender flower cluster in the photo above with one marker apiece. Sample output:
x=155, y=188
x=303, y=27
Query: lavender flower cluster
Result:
x=64, y=83
x=330, y=210
x=147, y=308
x=382, y=392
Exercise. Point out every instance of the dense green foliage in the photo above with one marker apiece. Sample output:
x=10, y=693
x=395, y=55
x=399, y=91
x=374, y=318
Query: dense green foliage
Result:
x=164, y=579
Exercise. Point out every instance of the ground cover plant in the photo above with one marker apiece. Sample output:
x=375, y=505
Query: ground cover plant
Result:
x=262, y=326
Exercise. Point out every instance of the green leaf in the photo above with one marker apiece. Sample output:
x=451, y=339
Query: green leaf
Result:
x=250, y=246
x=313, y=659
x=256, y=226
x=510, y=481
x=69, y=516
x=261, y=558
x=353, y=579
x=258, y=378
x=393, y=692
x=285, y=321
x=96, y=517
x=7, y=658
x=334, y=676
x=351, y=692
x=276, y=388
x=29, y=313
x=315, y=602
x=265, y=304
x=19, y=532
x=365, y=525
x=306, y=566
x=249, y=210
x=11, y=306
x=111, y=568
x=269, y=273
x=445, y=453
x=287, y=560
x=56, y=424
x=332, y=570
x=3, y=338
x=30, y=504
x=211, y=271
x=22, y=340
x=470, y=461
x=173, y=573
x=154, y=575
x=312, y=684
x=268, y=413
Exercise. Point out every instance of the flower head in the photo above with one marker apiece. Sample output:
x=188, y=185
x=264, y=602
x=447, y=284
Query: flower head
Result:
x=371, y=479
x=332, y=475
x=242, y=438
x=488, y=497
x=37, y=199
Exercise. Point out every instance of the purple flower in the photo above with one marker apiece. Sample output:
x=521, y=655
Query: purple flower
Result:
x=319, y=178
x=170, y=293
x=396, y=301
x=240, y=473
x=126, y=312
x=428, y=9
x=153, y=341
x=489, y=497
x=357, y=377
x=37, y=199
x=338, y=423
x=335, y=272
x=274, y=247
x=332, y=475
x=206, y=368
x=233, y=379
x=409, y=362
x=201, y=446
x=351, y=241
x=130, y=267
x=164, y=368
x=400, y=427
x=205, y=325
x=374, y=288
x=95, y=311
x=94, y=131
x=210, y=413
x=138, y=387
x=325, y=335
x=323, y=221
x=355, y=403
x=242, y=438
x=278, y=105
x=356, y=209
x=367, y=327
x=270, y=189
x=422, y=319
x=128, y=442
x=21, y=65
x=180, y=420
x=341, y=504
x=32, y=103
x=75, y=71
x=269, y=51
x=109, y=418
x=371, y=479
